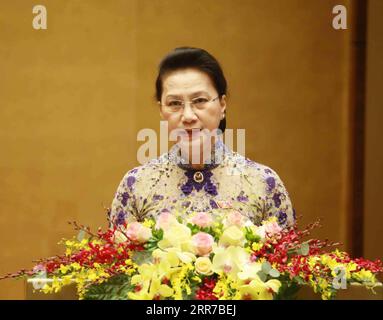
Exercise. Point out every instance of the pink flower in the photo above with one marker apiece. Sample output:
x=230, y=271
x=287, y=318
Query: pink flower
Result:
x=272, y=228
x=138, y=233
x=165, y=220
x=202, y=220
x=202, y=243
x=235, y=218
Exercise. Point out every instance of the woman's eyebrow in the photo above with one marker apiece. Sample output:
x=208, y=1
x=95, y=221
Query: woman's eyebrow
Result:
x=175, y=96
x=198, y=93
x=194, y=94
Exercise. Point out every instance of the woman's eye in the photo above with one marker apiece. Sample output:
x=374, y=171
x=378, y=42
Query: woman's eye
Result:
x=200, y=100
x=175, y=103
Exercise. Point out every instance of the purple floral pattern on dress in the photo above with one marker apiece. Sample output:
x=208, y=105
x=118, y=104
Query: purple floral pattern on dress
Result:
x=130, y=181
x=124, y=198
x=120, y=219
x=270, y=183
x=206, y=184
x=277, y=199
x=213, y=204
x=242, y=198
x=158, y=197
x=282, y=218
x=186, y=204
x=256, y=190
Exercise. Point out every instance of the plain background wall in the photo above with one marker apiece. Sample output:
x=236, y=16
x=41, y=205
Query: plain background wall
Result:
x=74, y=96
x=373, y=220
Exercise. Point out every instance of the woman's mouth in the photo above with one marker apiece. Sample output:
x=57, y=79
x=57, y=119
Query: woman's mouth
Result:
x=193, y=133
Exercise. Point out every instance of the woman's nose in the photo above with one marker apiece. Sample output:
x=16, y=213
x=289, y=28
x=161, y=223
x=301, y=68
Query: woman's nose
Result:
x=188, y=114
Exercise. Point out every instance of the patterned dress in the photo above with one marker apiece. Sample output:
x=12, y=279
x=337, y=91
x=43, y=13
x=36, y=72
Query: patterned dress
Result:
x=230, y=181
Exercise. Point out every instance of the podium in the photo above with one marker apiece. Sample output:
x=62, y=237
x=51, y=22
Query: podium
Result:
x=353, y=292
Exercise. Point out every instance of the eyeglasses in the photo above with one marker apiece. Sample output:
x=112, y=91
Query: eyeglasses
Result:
x=175, y=105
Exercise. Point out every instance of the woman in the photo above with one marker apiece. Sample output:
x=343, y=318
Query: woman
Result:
x=191, y=92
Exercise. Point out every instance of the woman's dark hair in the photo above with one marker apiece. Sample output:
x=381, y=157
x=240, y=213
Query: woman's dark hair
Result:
x=188, y=57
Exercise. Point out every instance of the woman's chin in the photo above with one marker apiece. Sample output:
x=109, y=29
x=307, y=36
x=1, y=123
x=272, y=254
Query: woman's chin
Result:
x=195, y=149
x=191, y=144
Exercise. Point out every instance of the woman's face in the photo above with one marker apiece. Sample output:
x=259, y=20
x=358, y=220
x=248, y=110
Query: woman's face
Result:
x=188, y=85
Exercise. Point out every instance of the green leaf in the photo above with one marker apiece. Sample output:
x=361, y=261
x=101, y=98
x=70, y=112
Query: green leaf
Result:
x=81, y=235
x=274, y=273
x=140, y=257
x=288, y=290
x=299, y=280
x=304, y=249
x=115, y=288
x=262, y=276
x=250, y=236
x=266, y=267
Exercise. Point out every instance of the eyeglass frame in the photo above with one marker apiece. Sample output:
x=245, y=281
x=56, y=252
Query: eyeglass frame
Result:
x=183, y=103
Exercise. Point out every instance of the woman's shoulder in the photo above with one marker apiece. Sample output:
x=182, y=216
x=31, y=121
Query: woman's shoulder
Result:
x=252, y=168
x=145, y=171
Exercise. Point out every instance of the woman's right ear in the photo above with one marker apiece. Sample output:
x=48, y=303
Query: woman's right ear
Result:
x=161, y=114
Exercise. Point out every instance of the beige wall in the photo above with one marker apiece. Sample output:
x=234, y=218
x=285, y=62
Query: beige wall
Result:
x=74, y=96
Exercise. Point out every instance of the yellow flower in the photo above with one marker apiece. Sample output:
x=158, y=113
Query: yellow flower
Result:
x=176, y=236
x=249, y=271
x=150, y=279
x=259, y=290
x=229, y=260
x=225, y=287
x=232, y=236
x=47, y=289
x=92, y=275
x=204, y=266
x=149, y=223
x=270, y=220
x=364, y=276
x=64, y=269
x=257, y=246
x=322, y=283
x=76, y=266
x=156, y=288
x=67, y=280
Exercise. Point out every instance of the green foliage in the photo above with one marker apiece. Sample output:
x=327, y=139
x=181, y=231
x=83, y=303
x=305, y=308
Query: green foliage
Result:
x=274, y=273
x=299, y=280
x=262, y=275
x=157, y=235
x=304, y=249
x=115, y=288
x=250, y=236
x=194, y=229
x=288, y=290
x=266, y=267
x=141, y=257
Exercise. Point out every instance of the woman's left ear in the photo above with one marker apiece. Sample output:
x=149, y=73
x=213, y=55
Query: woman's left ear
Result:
x=223, y=103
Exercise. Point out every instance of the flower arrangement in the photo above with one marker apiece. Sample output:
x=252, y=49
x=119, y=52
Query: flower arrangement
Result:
x=201, y=258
